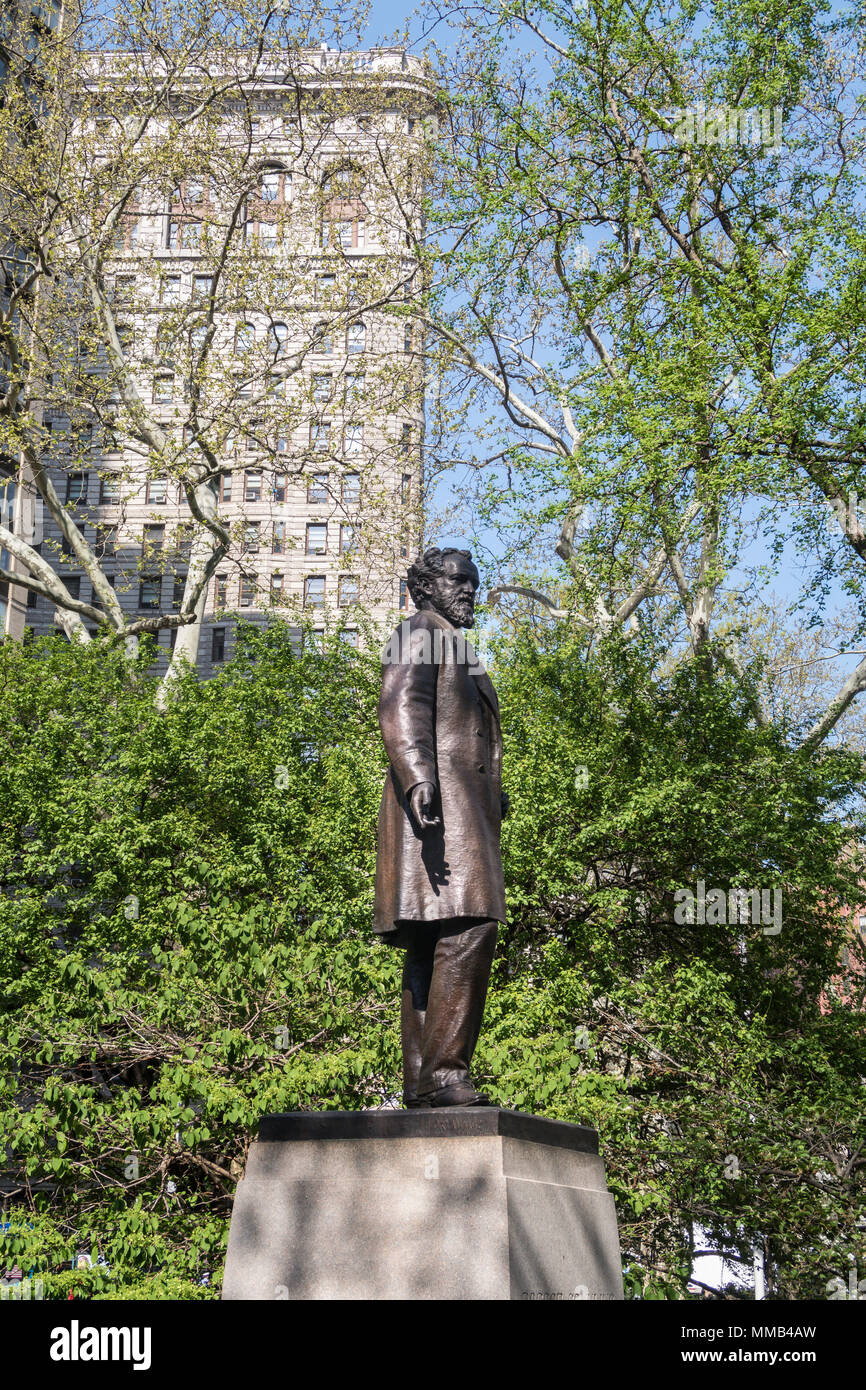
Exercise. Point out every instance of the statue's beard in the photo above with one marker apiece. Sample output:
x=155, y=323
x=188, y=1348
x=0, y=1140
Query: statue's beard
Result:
x=459, y=611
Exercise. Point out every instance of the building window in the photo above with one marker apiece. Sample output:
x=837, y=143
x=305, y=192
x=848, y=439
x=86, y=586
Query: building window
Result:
x=320, y=437
x=347, y=590
x=317, y=488
x=317, y=538
x=109, y=489
x=277, y=385
x=66, y=550
x=406, y=439
x=405, y=488
x=349, y=638
x=251, y=537
x=407, y=338
x=128, y=235
x=157, y=491
x=356, y=337
x=190, y=192
x=278, y=337
x=163, y=388
x=323, y=385
x=358, y=288
x=353, y=442
x=73, y=584
x=245, y=338
x=347, y=538
x=354, y=383
x=248, y=590
x=171, y=289
x=269, y=189
x=200, y=288
x=76, y=487
x=343, y=210
x=261, y=231
x=276, y=589
x=404, y=594
x=281, y=482
x=183, y=539
x=220, y=597
x=351, y=489
x=153, y=539
x=178, y=589
x=325, y=287
x=217, y=644
x=105, y=543
x=149, y=591
x=53, y=435
x=225, y=487
x=124, y=289
x=184, y=235
x=323, y=340
x=253, y=486
x=278, y=541
x=314, y=591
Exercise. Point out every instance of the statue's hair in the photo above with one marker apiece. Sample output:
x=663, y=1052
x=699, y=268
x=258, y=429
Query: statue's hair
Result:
x=426, y=567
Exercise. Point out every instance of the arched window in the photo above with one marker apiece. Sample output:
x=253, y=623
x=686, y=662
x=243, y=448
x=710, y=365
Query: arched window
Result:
x=344, y=211
x=245, y=337
x=356, y=337
x=263, y=216
x=275, y=185
x=278, y=335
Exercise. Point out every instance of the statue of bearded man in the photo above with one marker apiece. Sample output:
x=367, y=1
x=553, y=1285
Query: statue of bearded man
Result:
x=439, y=887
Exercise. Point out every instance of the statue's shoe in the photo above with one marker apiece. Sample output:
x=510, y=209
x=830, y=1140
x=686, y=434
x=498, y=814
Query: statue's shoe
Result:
x=412, y=1102
x=461, y=1093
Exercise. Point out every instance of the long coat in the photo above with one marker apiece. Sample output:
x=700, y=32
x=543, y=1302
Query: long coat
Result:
x=439, y=717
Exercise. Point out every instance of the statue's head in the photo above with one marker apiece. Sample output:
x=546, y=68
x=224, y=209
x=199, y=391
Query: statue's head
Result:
x=446, y=581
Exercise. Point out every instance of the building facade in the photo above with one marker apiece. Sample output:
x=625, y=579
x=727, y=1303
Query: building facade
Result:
x=25, y=26
x=264, y=306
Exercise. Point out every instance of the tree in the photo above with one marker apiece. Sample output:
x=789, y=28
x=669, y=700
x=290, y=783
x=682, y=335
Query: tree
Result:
x=647, y=268
x=184, y=932
x=185, y=946
x=709, y=1049
x=151, y=131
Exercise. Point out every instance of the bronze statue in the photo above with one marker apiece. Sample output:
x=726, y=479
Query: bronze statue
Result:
x=439, y=885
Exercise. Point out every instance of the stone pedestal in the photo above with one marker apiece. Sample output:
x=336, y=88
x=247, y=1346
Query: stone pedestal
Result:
x=423, y=1204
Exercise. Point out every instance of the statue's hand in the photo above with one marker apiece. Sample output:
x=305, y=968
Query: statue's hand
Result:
x=506, y=804
x=421, y=801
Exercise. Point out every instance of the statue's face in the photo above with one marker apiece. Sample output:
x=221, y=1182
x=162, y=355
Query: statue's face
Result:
x=452, y=593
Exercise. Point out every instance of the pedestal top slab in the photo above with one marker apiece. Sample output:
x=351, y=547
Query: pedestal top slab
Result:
x=466, y=1122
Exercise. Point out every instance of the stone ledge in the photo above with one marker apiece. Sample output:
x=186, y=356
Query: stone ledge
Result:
x=456, y=1123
